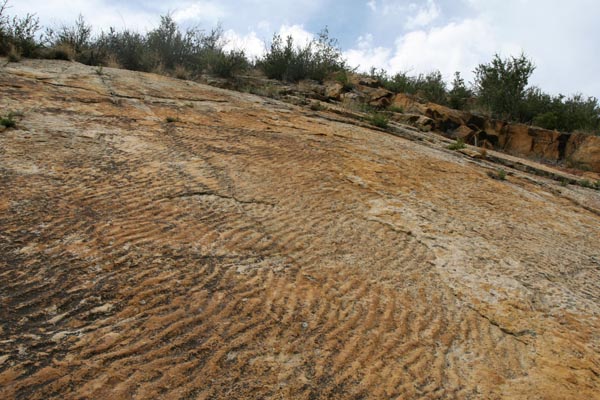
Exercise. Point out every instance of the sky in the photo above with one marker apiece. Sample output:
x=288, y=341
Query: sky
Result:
x=561, y=37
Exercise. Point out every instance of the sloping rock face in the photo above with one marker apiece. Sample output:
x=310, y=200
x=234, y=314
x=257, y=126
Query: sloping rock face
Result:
x=252, y=249
x=445, y=119
x=582, y=151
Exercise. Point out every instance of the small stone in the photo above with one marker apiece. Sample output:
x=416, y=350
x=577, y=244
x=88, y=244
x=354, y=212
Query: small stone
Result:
x=4, y=358
x=58, y=318
x=57, y=337
x=102, y=309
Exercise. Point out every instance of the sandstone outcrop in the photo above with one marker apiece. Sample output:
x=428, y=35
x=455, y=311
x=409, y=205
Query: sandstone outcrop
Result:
x=583, y=151
x=574, y=149
x=333, y=90
x=160, y=238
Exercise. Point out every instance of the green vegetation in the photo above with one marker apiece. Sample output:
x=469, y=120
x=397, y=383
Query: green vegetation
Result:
x=70, y=42
x=589, y=184
x=170, y=120
x=430, y=87
x=459, y=95
x=395, y=109
x=289, y=62
x=501, y=174
x=379, y=120
x=500, y=90
x=500, y=87
x=8, y=120
x=559, y=112
x=18, y=35
x=458, y=145
x=343, y=77
x=165, y=49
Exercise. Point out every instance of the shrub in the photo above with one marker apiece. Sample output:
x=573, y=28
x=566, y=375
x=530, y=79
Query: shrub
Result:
x=459, y=95
x=127, y=48
x=589, y=184
x=18, y=35
x=171, y=47
x=430, y=87
x=459, y=144
x=379, y=120
x=500, y=85
x=559, y=112
x=70, y=42
x=398, y=83
x=580, y=113
x=169, y=50
x=227, y=65
x=277, y=61
x=501, y=174
x=8, y=121
x=288, y=62
x=547, y=120
x=60, y=52
x=535, y=104
x=395, y=109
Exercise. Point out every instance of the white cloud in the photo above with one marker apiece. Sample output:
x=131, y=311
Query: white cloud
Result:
x=264, y=25
x=418, y=35
x=199, y=11
x=256, y=47
x=559, y=38
x=424, y=16
x=366, y=55
x=300, y=35
x=453, y=47
x=250, y=43
x=96, y=12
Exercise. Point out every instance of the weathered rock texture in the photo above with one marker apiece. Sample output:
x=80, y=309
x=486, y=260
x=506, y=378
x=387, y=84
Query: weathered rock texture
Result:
x=254, y=249
x=576, y=149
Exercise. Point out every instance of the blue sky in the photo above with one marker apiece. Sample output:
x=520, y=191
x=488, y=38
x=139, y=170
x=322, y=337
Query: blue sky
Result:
x=398, y=35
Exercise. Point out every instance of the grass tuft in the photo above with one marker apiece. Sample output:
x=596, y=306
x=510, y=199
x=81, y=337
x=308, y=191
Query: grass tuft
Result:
x=8, y=121
x=458, y=145
x=379, y=120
